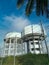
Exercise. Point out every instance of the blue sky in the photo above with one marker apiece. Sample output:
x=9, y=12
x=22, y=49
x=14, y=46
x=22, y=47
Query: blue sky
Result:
x=12, y=19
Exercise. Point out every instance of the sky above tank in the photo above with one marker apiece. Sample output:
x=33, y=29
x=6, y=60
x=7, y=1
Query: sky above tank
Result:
x=12, y=19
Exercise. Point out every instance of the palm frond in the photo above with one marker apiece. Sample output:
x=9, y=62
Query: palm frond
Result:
x=20, y=3
x=29, y=7
x=46, y=8
x=41, y=7
x=38, y=7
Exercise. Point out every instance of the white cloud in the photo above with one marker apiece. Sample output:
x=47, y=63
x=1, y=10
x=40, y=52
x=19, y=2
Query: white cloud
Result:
x=18, y=23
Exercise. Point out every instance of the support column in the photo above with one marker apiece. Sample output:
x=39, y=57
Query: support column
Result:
x=39, y=44
x=43, y=33
x=15, y=41
x=22, y=45
x=33, y=38
x=9, y=46
x=46, y=46
x=34, y=46
x=24, y=48
x=28, y=47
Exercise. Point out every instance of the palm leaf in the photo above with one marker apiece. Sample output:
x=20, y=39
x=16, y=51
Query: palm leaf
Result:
x=41, y=7
x=20, y=3
x=29, y=7
x=46, y=7
x=38, y=7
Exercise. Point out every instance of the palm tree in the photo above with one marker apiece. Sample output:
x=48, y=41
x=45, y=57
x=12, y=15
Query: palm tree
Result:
x=41, y=6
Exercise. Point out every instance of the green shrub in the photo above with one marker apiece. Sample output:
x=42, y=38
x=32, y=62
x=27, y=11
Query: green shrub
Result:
x=28, y=59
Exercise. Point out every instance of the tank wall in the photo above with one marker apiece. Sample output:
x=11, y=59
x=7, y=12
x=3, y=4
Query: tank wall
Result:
x=12, y=35
x=32, y=28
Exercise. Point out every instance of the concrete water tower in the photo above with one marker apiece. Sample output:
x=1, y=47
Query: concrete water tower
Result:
x=33, y=36
x=11, y=46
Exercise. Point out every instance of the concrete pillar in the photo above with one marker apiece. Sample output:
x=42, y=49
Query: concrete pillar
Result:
x=28, y=50
x=34, y=47
x=15, y=41
x=9, y=46
x=39, y=44
x=22, y=45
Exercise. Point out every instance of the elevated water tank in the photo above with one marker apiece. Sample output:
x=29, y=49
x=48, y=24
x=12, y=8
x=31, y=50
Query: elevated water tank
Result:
x=32, y=29
x=13, y=35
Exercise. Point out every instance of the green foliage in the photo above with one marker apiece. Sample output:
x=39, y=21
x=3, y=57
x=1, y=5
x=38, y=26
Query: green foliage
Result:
x=41, y=7
x=28, y=59
x=29, y=7
x=20, y=3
